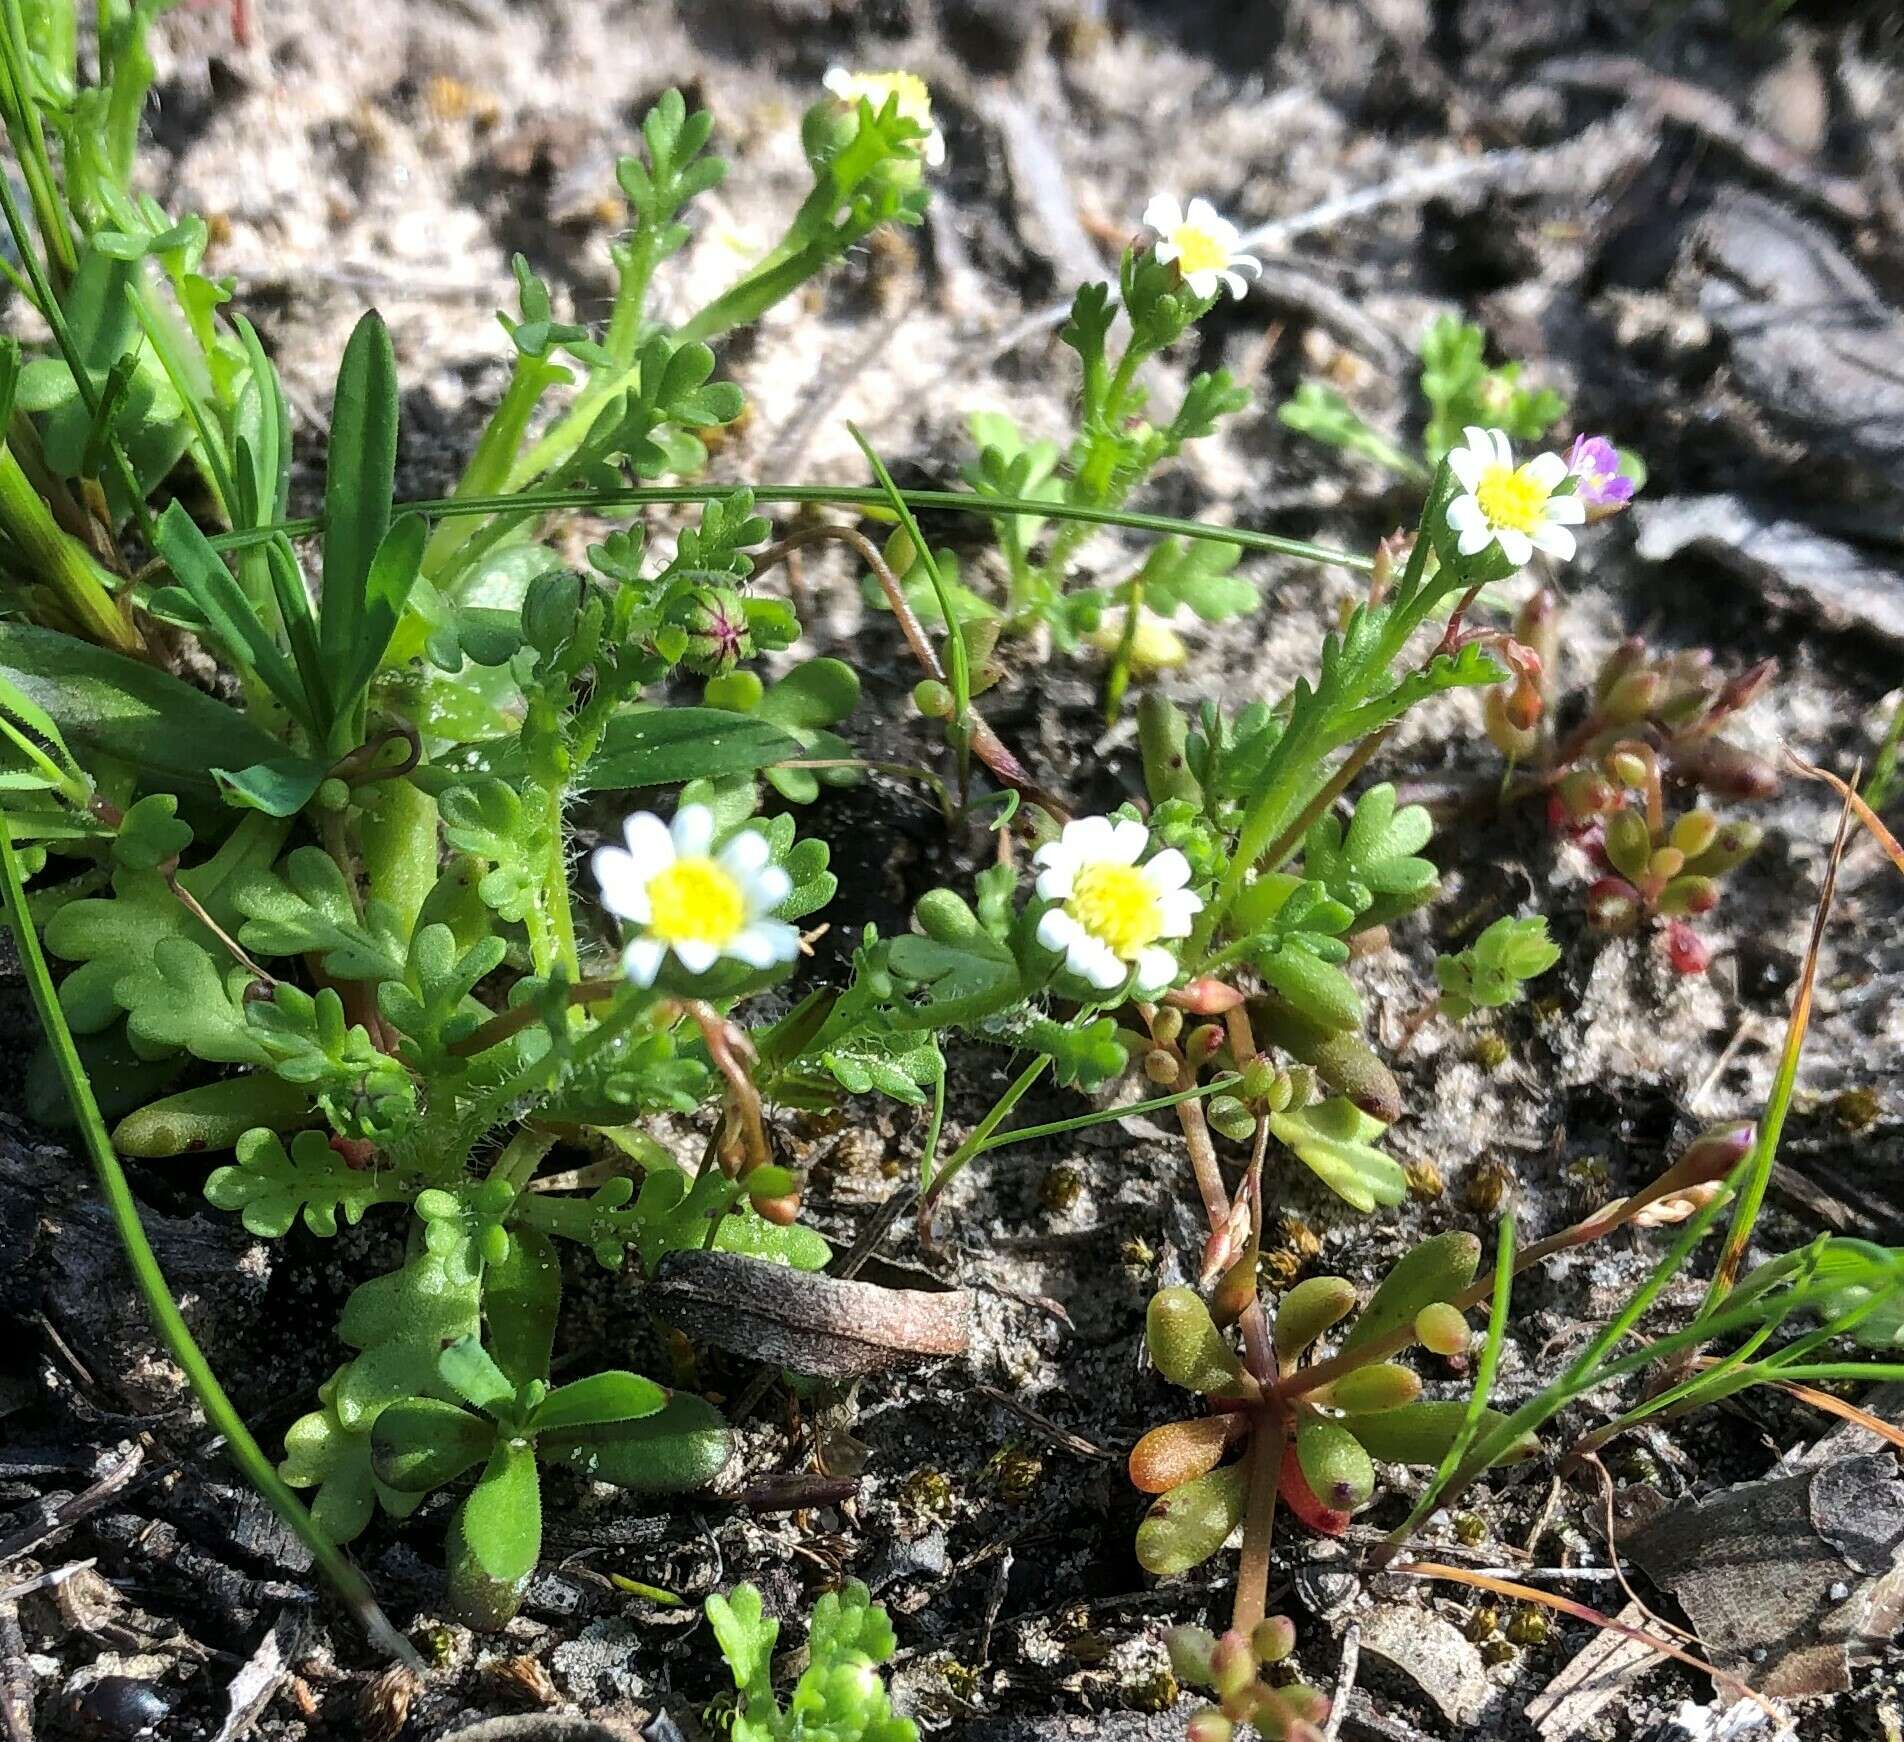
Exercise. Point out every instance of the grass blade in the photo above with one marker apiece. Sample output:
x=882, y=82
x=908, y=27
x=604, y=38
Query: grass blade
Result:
x=245, y=1451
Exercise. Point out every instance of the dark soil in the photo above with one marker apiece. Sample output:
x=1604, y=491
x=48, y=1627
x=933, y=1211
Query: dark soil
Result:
x=1622, y=171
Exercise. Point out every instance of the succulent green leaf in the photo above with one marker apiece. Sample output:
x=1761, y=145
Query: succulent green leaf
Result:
x=1185, y=1527
x=1436, y=1270
x=1421, y=1433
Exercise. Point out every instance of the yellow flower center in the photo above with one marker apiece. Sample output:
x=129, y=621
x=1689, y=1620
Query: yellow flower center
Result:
x=696, y=901
x=1511, y=499
x=1198, y=250
x=1117, y=905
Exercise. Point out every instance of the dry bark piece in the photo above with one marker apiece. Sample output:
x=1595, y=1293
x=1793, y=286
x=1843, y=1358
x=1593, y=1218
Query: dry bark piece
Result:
x=808, y=1322
x=1433, y=1654
x=1791, y=1580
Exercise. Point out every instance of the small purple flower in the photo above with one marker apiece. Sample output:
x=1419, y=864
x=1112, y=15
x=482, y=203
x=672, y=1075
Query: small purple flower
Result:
x=1596, y=463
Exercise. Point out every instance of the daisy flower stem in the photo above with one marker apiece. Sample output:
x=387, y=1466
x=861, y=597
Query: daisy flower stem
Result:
x=931, y=1187
x=512, y=1022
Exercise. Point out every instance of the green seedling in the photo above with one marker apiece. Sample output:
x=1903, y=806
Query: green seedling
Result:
x=839, y=1695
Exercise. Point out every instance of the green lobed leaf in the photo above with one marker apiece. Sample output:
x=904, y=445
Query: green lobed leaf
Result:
x=1335, y=1141
x=420, y=1443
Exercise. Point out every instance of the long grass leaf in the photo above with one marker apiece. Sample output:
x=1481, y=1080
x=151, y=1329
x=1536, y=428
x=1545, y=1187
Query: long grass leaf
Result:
x=160, y=1303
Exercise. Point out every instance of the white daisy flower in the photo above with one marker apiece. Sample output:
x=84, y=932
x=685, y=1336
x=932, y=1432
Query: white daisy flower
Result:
x=686, y=898
x=1514, y=507
x=1111, y=914
x=915, y=102
x=1202, y=243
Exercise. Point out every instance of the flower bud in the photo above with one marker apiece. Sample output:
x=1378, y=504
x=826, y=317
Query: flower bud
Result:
x=1628, y=657
x=1537, y=625
x=1206, y=997
x=717, y=631
x=1686, y=951
x=1714, y=1153
x=1232, y=1665
x=900, y=552
x=1613, y=905
x=1273, y=1638
x=1166, y=1025
x=1208, y=1725
x=1744, y=689
x=332, y=794
x=1259, y=1079
x=1203, y=1040
x=1160, y=1067
x=1721, y=767
x=1515, y=741
x=782, y=1211
x=933, y=699
x=1629, y=764
x=1585, y=793
x=1632, y=698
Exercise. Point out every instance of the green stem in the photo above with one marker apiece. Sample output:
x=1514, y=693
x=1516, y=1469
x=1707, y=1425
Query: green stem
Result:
x=842, y=495
x=60, y=561
x=496, y=449
x=244, y=1451
x=931, y=1188
x=1877, y=789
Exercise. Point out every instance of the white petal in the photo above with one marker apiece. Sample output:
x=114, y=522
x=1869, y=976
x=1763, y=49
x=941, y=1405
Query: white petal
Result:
x=693, y=831
x=1097, y=964
x=1467, y=466
x=746, y=853
x=765, y=943
x=641, y=960
x=1233, y=283
x=1502, y=452
x=1087, y=837
x=624, y=889
x=1060, y=872
x=767, y=888
x=1202, y=283
x=1201, y=215
x=1156, y=968
x=1163, y=214
x=650, y=845
x=1546, y=470
x=840, y=82
x=1480, y=442
x=697, y=955
x=1464, y=512
x=1567, y=511
x=1247, y=264
x=1128, y=840
x=1474, y=540
x=934, y=149
x=1180, y=912
x=1517, y=547
x=1556, y=541
x=1167, y=871
x=1057, y=930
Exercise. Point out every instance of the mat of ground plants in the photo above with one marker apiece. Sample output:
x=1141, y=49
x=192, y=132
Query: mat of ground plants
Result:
x=1687, y=218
